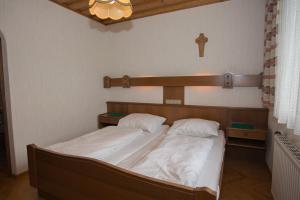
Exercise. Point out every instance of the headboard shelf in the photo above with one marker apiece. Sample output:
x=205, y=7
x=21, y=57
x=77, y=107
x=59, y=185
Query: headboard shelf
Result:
x=258, y=117
x=227, y=80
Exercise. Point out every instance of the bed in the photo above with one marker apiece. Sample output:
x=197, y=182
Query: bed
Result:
x=63, y=176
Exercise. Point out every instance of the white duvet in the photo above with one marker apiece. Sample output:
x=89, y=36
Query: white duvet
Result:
x=98, y=144
x=177, y=159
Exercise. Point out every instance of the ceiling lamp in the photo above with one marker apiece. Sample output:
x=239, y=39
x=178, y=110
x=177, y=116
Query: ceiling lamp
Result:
x=114, y=9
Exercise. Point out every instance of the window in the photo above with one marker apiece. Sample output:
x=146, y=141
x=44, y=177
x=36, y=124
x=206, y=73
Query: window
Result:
x=287, y=95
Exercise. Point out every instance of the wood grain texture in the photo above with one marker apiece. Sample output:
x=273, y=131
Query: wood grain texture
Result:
x=16, y=188
x=256, y=117
x=105, y=119
x=141, y=8
x=201, y=41
x=246, y=175
x=224, y=115
x=32, y=165
x=176, y=81
x=173, y=93
x=255, y=134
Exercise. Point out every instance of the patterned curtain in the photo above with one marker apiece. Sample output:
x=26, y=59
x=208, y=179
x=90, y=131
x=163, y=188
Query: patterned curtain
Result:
x=270, y=53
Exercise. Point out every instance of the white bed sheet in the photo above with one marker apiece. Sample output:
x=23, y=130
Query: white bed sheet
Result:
x=134, y=158
x=178, y=159
x=210, y=172
x=210, y=175
x=136, y=146
x=99, y=143
x=111, y=144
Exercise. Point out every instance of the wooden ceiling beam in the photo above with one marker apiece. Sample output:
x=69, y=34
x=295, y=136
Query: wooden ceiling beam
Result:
x=164, y=9
x=147, y=6
x=62, y=1
x=80, y=5
x=141, y=8
x=139, y=2
x=69, y=2
x=85, y=15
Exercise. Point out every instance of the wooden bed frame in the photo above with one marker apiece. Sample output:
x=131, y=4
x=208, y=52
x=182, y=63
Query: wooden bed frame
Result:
x=59, y=176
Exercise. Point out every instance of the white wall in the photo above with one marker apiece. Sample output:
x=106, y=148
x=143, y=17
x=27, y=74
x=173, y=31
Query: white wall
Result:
x=55, y=63
x=165, y=45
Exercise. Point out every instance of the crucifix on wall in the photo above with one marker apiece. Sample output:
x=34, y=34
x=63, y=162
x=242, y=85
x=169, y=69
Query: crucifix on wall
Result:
x=201, y=41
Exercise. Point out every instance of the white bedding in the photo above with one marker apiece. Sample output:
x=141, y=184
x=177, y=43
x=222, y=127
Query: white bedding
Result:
x=98, y=144
x=210, y=175
x=178, y=159
x=186, y=160
x=112, y=144
x=136, y=146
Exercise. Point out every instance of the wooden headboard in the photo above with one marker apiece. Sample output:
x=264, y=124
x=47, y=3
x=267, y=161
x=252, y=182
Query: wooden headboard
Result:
x=174, y=86
x=224, y=115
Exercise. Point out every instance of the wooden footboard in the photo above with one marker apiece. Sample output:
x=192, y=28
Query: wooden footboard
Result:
x=58, y=176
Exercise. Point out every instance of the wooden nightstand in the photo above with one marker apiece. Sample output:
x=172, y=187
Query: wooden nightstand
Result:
x=109, y=119
x=248, y=138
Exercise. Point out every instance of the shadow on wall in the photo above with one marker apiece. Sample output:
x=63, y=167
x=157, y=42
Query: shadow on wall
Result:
x=8, y=102
x=126, y=26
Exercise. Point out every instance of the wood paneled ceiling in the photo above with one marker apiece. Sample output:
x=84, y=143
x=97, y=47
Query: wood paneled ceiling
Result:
x=141, y=8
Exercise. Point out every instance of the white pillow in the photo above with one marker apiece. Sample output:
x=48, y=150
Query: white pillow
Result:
x=195, y=127
x=147, y=122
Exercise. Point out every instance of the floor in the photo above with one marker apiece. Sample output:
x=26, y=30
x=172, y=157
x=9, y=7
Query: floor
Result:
x=244, y=179
x=16, y=188
x=246, y=175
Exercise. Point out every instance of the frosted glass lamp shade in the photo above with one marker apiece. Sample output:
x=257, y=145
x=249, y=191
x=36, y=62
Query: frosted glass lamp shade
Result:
x=114, y=9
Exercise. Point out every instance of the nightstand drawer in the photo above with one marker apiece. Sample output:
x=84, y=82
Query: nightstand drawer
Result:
x=255, y=134
x=109, y=120
x=106, y=119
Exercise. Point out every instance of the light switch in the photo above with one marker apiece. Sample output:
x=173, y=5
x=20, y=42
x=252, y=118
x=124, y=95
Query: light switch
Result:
x=173, y=101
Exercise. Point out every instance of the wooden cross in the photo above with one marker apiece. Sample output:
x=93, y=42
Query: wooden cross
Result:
x=201, y=41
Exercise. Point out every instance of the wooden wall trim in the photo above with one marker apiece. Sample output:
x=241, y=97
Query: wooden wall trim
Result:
x=190, y=106
x=226, y=81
